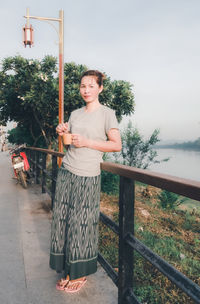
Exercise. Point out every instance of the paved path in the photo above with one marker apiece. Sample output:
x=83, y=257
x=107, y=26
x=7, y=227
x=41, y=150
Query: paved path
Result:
x=25, y=276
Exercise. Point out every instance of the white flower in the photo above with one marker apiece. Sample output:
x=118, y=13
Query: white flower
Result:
x=43, y=77
x=20, y=97
x=182, y=256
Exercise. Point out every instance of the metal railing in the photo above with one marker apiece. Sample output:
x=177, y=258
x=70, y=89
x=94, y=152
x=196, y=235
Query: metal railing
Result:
x=128, y=243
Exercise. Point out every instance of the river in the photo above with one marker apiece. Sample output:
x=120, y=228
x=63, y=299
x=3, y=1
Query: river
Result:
x=182, y=163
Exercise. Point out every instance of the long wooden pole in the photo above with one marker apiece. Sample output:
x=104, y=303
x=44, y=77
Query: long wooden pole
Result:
x=61, y=79
x=61, y=70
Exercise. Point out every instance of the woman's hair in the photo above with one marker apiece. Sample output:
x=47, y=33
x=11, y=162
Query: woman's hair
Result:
x=98, y=75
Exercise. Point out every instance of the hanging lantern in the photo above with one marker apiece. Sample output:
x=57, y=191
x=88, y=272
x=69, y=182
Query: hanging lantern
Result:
x=28, y=35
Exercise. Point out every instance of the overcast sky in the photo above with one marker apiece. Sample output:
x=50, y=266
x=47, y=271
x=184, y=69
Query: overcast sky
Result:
x=154, y=44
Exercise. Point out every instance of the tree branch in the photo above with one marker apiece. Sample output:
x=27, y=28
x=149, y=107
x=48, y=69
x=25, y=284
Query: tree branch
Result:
x=42, y=130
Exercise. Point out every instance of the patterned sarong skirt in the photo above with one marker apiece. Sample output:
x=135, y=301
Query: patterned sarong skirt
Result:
x=74, y=228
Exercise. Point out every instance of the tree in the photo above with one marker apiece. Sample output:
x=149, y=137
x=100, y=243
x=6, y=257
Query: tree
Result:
x=29, y=95
x=136, y=151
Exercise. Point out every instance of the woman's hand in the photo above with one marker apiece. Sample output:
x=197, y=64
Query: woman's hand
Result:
x=79, y=141
x=62, y=128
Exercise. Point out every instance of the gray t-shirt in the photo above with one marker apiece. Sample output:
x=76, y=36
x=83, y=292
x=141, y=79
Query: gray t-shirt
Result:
x=92, y=125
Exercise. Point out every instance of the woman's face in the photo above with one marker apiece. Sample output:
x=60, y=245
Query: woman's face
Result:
x=89, y=89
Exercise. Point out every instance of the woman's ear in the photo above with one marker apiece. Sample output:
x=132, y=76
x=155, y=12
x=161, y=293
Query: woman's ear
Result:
x=100, y=89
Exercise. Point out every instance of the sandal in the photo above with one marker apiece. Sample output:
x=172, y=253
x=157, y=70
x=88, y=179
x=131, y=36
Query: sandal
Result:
x=61, y=284
x=69, y=288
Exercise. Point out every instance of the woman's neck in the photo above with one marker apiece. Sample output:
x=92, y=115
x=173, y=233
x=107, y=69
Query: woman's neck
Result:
x=92, y=106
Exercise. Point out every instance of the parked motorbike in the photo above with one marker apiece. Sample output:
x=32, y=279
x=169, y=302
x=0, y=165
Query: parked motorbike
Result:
x=20, y=165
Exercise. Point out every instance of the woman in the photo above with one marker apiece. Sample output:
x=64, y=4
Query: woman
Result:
x=74, y=235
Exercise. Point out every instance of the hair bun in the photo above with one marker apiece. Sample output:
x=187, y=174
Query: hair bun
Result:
x=99, y=76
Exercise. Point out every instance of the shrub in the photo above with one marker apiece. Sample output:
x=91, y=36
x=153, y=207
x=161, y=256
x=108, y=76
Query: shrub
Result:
x=109, y=183
x=169, y=200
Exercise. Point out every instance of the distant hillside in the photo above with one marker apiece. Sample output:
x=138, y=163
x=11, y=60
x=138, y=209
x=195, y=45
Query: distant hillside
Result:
x=189, y=145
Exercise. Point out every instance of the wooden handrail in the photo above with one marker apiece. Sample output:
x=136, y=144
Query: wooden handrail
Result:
x=52, y=152
x=181, y=186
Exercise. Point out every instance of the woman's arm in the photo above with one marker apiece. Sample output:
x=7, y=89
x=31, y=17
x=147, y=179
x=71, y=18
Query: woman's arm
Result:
x=113, y=144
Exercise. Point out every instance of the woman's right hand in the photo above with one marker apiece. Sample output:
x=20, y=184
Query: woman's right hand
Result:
x=62, y=128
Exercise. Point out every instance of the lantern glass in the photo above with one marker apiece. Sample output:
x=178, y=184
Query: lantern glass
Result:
x=28, y=35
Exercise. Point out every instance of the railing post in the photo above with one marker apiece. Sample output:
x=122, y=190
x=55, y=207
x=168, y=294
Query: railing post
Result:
x=44, y=157
x=30, y=159
x=53, y=180
x=34, y=165
x=126, y=224
x=37, y=169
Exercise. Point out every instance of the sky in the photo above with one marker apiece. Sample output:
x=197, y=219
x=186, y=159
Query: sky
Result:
x=153, y=44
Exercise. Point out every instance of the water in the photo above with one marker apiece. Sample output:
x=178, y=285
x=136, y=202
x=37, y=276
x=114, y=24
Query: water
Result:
x=182, y=163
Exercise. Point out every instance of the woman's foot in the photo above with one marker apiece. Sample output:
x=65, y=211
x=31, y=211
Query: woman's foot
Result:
x=75, y=285
x=62, y=283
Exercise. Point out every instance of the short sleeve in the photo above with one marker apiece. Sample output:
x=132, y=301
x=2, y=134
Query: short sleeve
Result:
x=111, y=121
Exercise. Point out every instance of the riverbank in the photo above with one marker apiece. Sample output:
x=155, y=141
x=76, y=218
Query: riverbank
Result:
x=174, y=235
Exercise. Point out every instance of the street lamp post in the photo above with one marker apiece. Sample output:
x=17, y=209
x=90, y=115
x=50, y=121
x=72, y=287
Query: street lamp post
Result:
x=28, y=40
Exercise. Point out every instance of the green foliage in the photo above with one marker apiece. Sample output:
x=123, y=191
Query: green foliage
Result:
x=190, y=223
x=29, y=96
x=117, y=95
x=20, y=135
x=109, y=183
x=136, y=151
x=169, y=200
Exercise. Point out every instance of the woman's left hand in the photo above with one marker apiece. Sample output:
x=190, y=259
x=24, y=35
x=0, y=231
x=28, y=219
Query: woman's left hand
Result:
x=79, y=141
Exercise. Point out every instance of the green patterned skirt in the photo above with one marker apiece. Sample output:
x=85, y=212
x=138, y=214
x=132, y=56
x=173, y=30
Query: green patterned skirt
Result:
x=74, y=229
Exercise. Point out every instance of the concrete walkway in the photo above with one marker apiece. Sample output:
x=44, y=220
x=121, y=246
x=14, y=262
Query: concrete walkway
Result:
x=25, y=276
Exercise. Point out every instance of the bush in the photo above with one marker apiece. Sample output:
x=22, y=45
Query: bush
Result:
x=169, y=200
x=109, y=183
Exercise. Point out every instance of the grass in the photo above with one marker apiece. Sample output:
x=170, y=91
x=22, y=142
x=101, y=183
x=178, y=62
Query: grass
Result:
x=173, y=235
x=191, y=206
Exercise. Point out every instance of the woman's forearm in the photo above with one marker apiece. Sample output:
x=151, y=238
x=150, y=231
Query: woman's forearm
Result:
x=104, y=146
x=113, y=144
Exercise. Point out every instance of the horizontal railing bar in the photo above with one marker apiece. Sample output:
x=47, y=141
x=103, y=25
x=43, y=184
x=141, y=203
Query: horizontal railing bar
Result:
x=181, y=186
x=39, y=166
x=108, y=222
x=130, y=297
x=108, y=268
x=47, y=173
x=47, y=190
x=52, y=152
x=184, y=283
